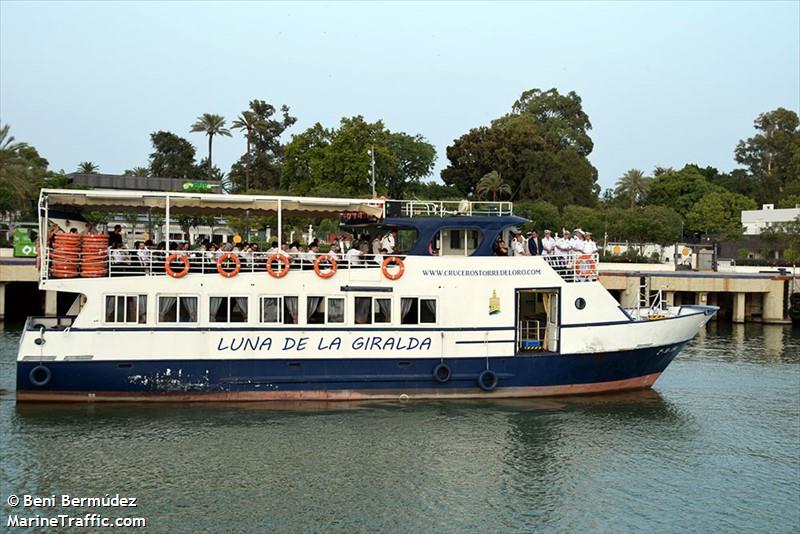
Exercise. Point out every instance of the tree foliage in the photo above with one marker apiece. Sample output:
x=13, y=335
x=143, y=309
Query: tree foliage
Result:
x=719, y=211
x=772, y=156
x=88, y=167
x=540, y=149
x=22, y=172
x=632, y=186
x=260, y=166
x=492, y=185
x=172, y=157
x=211, y=125
x=679, y=190
x=337, y=161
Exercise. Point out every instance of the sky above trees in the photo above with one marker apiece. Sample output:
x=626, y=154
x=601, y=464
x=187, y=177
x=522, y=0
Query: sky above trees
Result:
x=662, y=83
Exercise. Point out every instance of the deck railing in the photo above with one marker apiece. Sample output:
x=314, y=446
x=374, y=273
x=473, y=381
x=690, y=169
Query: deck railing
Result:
x=449, y=208
x=125, y=262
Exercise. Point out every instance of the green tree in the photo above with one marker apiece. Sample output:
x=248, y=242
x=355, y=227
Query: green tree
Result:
x=336, y=162
x=647, y=224
x=261, y=168
x=492, y=184
x=433, y=191
x=679, y=190
x=137, y=171
x=540, y=149
x=633, y=186
x=773, y=155
x=87, y=167
x=211, y=125
x=719, y=211
x=172, y=156
x=22, y=172
x=588, y=219
x=543, y=215
x=246, y=122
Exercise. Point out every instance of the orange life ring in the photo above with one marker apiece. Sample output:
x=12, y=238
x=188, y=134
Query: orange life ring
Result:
x=393, y=260
x=225, y=257
x=286, y=264
x=177, y=257
x=585, y=265
x=330, y=260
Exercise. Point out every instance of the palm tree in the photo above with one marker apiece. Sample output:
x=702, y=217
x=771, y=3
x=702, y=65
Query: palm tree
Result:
x=247, y=123
x=492, y=183
x=634, y=185
x=212, y=125
x=88, y=167
x=14, y=173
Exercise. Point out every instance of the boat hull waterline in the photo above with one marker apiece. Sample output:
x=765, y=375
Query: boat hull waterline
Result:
x=341, y=379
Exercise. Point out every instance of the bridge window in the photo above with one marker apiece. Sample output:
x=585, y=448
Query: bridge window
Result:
x=415, y=310
x=456, y=242
x=126, y=309
x=227, y=310
x=317, y=307
x=279, y=310
x=369, y=310
x=177, y=309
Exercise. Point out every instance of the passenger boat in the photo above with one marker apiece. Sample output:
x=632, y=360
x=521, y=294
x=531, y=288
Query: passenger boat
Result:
x=441, y=318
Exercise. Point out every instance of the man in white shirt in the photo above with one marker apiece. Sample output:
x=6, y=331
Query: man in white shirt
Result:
x=354, y=256
x=518, y=245
x=548, y=244
x=589, y=246
x=388, y=241
x=563, y=249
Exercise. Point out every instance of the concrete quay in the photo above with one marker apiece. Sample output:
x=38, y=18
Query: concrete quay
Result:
x=752, y=294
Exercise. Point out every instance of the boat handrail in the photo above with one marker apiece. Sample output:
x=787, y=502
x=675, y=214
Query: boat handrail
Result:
x=450, y=208
x=132, y=262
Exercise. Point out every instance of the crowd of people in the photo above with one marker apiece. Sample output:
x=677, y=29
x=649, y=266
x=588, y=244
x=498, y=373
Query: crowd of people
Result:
x=360, y=252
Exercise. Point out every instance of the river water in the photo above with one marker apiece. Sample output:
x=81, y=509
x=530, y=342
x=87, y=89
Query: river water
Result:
x=714, y=447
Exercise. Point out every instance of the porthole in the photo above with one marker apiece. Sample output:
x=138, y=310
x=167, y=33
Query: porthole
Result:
x=580, y=303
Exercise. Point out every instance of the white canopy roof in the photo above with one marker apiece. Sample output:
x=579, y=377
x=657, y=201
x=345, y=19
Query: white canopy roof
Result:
x=205, y=204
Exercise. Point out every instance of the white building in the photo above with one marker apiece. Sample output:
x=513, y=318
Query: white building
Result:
x=755, y=221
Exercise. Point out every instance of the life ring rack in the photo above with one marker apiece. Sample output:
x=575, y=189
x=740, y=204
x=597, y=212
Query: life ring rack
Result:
x=228, y=256
x=325, y=258
x=282, y=272
x=393, y=260
x=176, y=257
x=585, y=265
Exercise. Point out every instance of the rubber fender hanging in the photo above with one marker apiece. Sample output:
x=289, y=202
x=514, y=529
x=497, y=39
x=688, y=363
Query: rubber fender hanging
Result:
x=442, y=373
x=487, y=380
x=40, y=376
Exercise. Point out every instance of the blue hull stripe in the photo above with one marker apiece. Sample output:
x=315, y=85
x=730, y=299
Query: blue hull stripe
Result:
x=215, y=376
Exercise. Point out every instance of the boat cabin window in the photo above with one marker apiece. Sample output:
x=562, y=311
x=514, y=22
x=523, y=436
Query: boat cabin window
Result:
x=455, y=242
x=369, y=310
x=317, y=308
x=280, y=310
x=227, y=309
x=415, y=310
x=126, y=309
x=177, y=309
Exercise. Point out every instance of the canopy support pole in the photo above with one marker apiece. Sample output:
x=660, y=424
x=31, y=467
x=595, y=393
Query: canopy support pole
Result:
x=280, y=224
x=166, y=224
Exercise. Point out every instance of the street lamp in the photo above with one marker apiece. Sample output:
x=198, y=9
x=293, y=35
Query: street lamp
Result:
x=371, y=153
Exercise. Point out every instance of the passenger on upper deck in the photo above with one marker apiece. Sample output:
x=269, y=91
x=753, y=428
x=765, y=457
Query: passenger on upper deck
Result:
x=534, y=243
x=499, y=247
x=389, y=241
x=115, y=236
x=548, y=244
x=518, y=245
